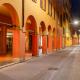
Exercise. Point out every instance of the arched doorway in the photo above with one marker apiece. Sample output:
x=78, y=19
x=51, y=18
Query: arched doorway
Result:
x=31, y=36
x=43, y=36
x=54, y=39
x=50, y=39
x=9, y=36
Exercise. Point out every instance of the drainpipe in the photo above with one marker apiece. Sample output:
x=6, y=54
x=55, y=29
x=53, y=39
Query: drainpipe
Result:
x=22, y=57
x=22, y=13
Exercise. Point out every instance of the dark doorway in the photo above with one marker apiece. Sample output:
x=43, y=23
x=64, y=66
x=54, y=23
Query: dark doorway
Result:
x=30, y=42
x=9, y=42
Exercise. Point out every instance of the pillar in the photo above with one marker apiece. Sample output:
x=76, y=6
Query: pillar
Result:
x=54, y=42
x=44, y=44
x=16, y=43
x=34, y=45
x=50, y=43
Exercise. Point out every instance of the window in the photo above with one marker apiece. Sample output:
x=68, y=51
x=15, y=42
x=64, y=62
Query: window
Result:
x=54, y=13
x=34, y=1
x=63, y=30
x=50, y=7
x=43, y=4
x=64, y=17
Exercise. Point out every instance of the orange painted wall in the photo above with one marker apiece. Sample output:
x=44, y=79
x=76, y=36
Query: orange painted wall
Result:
x=34, y=45
x=44, y=44
x=50, y=39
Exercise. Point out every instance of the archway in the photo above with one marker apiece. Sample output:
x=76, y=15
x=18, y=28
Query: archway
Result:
x=31, y=36
x=50, y=39
x=54, y=39
x=9, y=44
x=43, y=37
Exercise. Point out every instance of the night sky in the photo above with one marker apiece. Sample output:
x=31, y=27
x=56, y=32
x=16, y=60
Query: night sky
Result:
x=76, y=13
x=76, y=8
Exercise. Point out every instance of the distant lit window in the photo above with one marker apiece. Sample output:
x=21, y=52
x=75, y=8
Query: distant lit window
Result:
x=43, y=4
x=50, y=7
x=34, y=1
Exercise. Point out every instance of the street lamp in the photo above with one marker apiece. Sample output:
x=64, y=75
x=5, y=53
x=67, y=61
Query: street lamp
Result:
x=75, y=22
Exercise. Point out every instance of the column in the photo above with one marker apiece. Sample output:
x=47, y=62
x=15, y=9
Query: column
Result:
x=16, y=43
x=44, y=44
x=34, y=45
x=50, y=43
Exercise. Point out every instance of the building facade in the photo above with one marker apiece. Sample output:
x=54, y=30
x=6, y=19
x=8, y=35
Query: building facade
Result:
x=33, y=27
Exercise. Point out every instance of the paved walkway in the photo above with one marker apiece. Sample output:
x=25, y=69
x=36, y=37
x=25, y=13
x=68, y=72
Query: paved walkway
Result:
x=63, y=65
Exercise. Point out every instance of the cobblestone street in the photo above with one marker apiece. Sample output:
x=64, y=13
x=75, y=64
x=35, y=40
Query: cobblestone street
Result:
x=61, y=65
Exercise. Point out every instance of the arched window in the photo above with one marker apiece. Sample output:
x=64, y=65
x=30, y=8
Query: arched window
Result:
x=50, y=7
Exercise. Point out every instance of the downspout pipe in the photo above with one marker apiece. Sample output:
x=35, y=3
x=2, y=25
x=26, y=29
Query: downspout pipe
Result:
x=22, y=13
x=22, y=58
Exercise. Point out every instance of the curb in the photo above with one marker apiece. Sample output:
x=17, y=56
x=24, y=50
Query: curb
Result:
x=14, y=63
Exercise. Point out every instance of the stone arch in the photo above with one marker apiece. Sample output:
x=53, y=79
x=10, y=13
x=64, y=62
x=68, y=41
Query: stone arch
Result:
x=50, y=39
x=43, y=26
x=54, y=31
x=9, y=19
x=13, y=13
x=54, y=39
x=31, y=24
x=31, y=37
x=49, y=29
x=43, y=37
